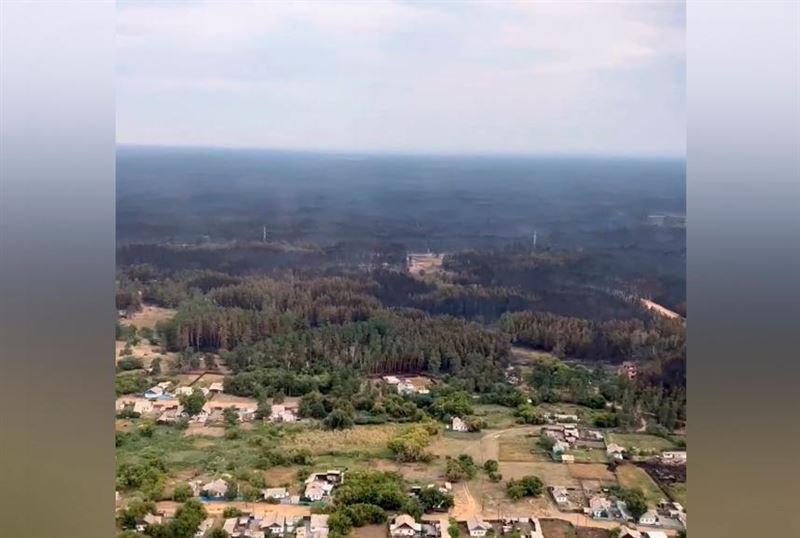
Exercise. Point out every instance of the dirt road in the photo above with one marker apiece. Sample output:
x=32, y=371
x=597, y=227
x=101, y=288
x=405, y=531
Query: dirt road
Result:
x=258, y=509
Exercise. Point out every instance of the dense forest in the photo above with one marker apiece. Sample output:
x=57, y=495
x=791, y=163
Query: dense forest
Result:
x=294, y=270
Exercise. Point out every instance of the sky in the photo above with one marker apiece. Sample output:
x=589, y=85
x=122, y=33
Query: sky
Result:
x=539, y=78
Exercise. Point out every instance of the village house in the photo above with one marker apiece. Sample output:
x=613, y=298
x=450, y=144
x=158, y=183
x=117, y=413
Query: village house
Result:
x=273, y=524
x=216, y=387
x=154, y=392
x=565, y=418
x=216, y=489
x=559, y=447
x=184, y=391
x=674, y=456
x=319, y=525
x=477, y=527
x=615, y=451
x=459, y=425
x=204, y=527
x=229, y=526
x=404, y=525
x=649, y=518
x=279, y=413
x=599, y=507
x=314, y=492
x=560, y=495
x=275, y=493
x=567, y=458
x=432, y=529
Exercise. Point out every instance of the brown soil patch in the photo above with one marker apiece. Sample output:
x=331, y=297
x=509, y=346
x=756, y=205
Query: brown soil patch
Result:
x=591, y=471
x=370, y=531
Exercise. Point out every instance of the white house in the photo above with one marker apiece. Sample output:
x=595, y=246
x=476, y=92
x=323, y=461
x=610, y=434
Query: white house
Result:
x=655, y=534
x=567, y=458
x=674, y=456
x=216, y=387
x=459, y=425
x=599, y=507
x=615, y=451
x=154, y=392
x=559, y=495
x=404, y=525
x=275, y=493
x=649, y=518
x=477, y=527
x=314, y=491
x=216, y=488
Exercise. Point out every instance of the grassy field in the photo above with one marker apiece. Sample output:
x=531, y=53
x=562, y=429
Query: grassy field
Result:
x=357, y=440
x=641, y=441
x=678, y=493
x=591, y=471
x=586, y=455
x=516, y=449
x=630, y=476
x=496, y=416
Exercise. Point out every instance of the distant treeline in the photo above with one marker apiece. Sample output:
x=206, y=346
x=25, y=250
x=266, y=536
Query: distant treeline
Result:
x=585, y=339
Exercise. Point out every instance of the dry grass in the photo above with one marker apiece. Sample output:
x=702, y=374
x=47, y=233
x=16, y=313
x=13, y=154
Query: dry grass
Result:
x=591, y=471
x=642, y=441
x=518, y=449
x=552, y=473
x=358, y=439
x=631, y=476
x=148, y=317
x=370, y=531
x=201, y=430
x=144, y=351
x=423, y=263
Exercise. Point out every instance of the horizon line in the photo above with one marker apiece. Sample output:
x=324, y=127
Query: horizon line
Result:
x=391, y=153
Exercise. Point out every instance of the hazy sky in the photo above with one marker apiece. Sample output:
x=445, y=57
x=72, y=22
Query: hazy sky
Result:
x=478, y=77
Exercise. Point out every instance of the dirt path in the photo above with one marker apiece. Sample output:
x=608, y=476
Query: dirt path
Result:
x=257, y=509
x=657, y=308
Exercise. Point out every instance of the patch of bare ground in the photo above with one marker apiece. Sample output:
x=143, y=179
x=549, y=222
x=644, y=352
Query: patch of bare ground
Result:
x=201, y=430
x=145, y=351
x=370, y=531
x=591, y=471
x=148, y=316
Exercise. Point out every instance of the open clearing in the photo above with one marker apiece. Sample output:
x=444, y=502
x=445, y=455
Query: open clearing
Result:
x=145, y=351
x=360, y=439
x=678, y=493
x=370, y=531
x=630, y=476
x=518, y=449
x=591, y=471
x=641, y=441
x=148, y=316
x=421, y=263
x=556, y=528
x=660, y=310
